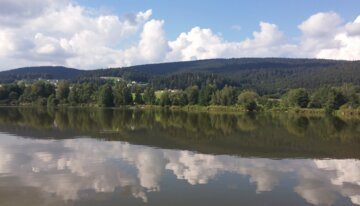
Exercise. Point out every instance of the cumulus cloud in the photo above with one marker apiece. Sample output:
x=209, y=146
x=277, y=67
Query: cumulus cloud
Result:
x=196, y=44
x=318, y=32
x=269, y=35
x=269, y=41
x=16, y=12
x=153, y=45
x=60, y=32
x=348, y=43
x=204, y=44
x=67, y=35
x=321, y=24
x=353, y=28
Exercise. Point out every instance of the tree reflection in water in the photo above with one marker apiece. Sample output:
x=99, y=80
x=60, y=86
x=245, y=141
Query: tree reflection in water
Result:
x=237, y=134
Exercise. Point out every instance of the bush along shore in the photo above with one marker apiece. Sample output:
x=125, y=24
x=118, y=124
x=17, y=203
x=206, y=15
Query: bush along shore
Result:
x=341, y=100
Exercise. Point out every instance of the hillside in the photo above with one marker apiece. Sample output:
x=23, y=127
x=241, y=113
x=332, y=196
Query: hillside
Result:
x=43, y=72
x=266, y=75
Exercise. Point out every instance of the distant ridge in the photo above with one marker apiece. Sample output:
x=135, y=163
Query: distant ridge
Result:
x=40, y=72
x=263, y=74
x=227, y=66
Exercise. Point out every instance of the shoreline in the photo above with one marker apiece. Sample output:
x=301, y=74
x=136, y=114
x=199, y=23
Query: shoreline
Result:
x=348, y=113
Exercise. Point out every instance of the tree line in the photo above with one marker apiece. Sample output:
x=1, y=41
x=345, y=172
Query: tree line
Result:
x=120, y=93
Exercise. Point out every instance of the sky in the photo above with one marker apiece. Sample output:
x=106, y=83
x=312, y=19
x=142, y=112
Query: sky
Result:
x=92, y=34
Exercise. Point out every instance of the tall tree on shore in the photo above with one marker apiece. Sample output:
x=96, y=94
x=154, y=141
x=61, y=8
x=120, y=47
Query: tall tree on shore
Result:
x=298, y=98
x=165, y=99
x=73, y=97
x=105, y=96
x=122, y=94
x=192, y=94
x=38, y=90
x=227, y=96
x=138, y=98
x=178, y=98
x=149, y=95
x=62, y=90
x=206, y=93
x=248, y=99
x=334, y=101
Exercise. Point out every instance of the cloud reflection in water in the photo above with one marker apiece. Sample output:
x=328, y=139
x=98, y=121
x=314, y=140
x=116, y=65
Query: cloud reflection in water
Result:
x=67, y=167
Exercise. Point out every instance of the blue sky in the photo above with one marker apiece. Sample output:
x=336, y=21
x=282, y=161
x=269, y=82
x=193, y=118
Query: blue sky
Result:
x=221, y=15
x=90, y=34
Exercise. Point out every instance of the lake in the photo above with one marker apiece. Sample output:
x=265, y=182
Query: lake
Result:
x=135, y=157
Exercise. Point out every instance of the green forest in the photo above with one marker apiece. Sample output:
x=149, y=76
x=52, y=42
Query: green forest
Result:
x=118, y=93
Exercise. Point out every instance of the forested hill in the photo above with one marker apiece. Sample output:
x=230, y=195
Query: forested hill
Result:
x=264, y=74
x=229, y=66
x=42, y=72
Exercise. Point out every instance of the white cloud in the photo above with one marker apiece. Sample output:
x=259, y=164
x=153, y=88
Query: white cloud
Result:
x=349, y=43
x=6, y=45
x=67, y=35
x=153, y=45
x=59, y=32
x=267, y=42
x=196, y=44
x=16, y=12
x=321, y=24
x=204, y=44
x=269, y=35
x=319, y=33
x=353, y=28
x=325, y=36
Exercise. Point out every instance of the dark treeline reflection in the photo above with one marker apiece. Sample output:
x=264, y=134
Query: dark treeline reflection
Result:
x=276, y=136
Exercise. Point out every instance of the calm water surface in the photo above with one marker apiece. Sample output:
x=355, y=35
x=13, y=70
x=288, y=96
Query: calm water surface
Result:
x=127, y=157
